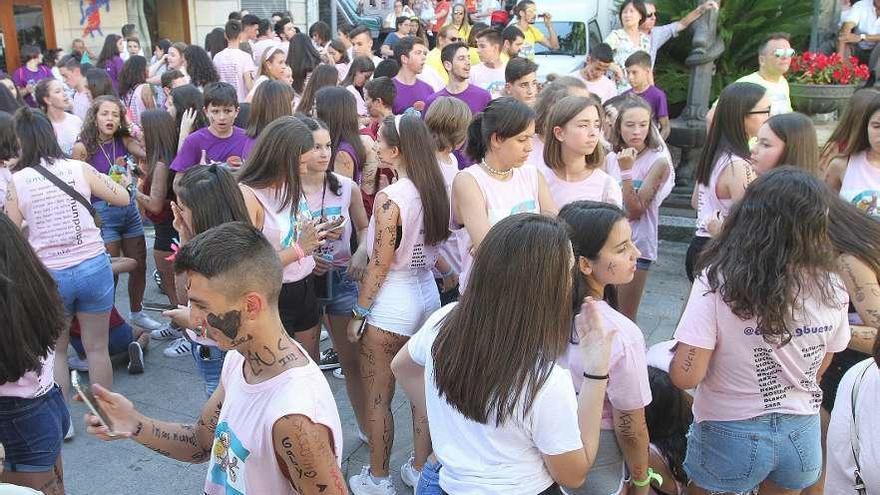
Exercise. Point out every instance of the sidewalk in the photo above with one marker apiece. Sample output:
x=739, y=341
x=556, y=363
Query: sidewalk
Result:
x=170, y=389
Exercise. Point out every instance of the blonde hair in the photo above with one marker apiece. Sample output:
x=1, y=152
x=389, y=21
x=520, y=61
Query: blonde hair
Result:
x=448, y=119
x=560, y=114
x=267, y=55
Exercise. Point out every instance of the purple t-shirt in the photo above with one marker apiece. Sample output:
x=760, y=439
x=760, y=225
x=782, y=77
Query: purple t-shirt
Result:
x=24, y=77
x=114, y=67
x=216, y=149
x=657, y=99
x=409, y=96
x=475, y=97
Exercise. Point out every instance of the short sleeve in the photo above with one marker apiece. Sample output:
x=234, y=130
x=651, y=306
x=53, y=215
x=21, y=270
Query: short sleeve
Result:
x=628, y=387
x=248, y=63
x=613, y=192
x=554, y=420
x=420, y=344
x=188, y=154
x=613, y=39
x=537, y=34
x=842, y=333
x=853, y=15
x=662, y=106
x=699, y=324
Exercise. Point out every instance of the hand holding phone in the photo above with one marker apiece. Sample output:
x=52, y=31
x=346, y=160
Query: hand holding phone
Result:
x=111, y=416
x=86, y=395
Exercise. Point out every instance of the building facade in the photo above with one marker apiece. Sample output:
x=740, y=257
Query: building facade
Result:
x=56, y=23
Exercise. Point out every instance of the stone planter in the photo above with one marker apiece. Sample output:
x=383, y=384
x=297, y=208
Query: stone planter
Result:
x=812, y=99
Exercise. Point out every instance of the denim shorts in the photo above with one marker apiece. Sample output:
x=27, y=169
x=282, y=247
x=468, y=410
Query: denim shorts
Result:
x=209, y=362
x=32, y=431
x=643, y=264
x=344, y=295
x=119, y=222
x=86, y=287
x=736, y=456
x=429, y=481
x=120, y=336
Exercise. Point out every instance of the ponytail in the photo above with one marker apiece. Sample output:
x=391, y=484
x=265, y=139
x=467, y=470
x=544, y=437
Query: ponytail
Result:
x=476, y=148
x=504, y=118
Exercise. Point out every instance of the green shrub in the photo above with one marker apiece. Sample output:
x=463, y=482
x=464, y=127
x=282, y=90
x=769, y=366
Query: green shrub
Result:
x=743, y=25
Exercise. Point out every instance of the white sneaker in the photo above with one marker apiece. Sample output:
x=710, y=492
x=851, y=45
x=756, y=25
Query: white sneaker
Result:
x=69, y=435
x=178, y=348
x=324, y=334
x=142, y=320
x=77, y=363
x=166, y=332
x=339, y=374
x=409, y=474
x=362, y=484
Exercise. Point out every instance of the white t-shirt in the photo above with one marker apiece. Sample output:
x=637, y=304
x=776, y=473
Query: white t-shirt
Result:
x=484, y=459
x=603, y=87
x=67, y=132
x=492, y=80
x=232, y=64
x=840, y=465
x=864, y=16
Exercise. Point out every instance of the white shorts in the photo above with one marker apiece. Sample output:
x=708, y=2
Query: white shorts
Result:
x=404, y=302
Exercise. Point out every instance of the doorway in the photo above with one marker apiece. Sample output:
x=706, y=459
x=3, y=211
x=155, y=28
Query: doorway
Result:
x=24, y=22
x=167, y=19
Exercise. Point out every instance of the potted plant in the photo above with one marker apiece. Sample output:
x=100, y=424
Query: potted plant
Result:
x=821, y=83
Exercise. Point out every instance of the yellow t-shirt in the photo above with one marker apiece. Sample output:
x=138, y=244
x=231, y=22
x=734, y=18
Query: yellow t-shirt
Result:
x=433, y=61
x=531, y=36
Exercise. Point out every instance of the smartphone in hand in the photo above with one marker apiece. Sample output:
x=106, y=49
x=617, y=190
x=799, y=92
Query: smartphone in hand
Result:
x=85, y=392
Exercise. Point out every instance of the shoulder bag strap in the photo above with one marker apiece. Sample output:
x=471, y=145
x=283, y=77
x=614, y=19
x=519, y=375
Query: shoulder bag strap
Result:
x=854, y=429
x=70, y=191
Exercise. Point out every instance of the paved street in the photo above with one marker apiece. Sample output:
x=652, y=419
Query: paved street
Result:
x=171, y=389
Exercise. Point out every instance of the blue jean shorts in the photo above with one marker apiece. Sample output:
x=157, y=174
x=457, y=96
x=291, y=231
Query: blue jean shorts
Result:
x=209, y=362
x=429, y=481
x=86, y=287
x=643, y=264
x=32, y=431
x=119, y=222
x=345, y=293
x=120, y=336
x=736, y=456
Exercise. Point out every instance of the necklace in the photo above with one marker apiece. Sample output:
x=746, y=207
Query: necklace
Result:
x=110, y=161
x=497, y=173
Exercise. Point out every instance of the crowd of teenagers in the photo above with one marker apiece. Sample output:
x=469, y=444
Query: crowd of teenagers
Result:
x=461, y=230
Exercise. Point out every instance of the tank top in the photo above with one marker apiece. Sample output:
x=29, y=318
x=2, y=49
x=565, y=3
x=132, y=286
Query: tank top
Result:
x=599, y=186
x=518, y=194
x=106, y=155
x=451, y=247
x=134, y=101
x=708, y=201
x=61, y=230
x=281, y=227
x=412, y=254
x=861, y=184
x=326, y=205
x=243, y=456
x=645, y=229
x=679, y=487
x=358, y=166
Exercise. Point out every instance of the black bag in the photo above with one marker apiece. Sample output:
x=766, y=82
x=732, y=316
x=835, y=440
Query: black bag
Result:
x=73, y=193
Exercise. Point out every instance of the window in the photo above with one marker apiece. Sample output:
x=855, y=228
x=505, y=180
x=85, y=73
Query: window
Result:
x=264, y=8
x=572, y=39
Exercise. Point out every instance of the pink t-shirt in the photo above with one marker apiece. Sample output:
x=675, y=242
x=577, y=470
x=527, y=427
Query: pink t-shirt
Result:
x=628, y=388
x=32, y=384
x=708, y=201
x=61, y=230
x=536, y=157
x=645, y=229
x=331, y=206
x=518, y=194
x=232, y=64
x=599, y=186
x=492, y=80
x=451, y=248
x=603, y=87
x=747, y=377
x=281, y=226
x=243, y=457
x=412, y=254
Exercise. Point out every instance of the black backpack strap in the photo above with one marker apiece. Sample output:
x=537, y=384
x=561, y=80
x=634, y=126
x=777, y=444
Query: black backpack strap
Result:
x=70, y=191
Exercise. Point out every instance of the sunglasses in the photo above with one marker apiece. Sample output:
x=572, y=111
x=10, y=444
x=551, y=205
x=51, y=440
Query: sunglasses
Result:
x=652, y=15
x=784, y=52
x=760, y=112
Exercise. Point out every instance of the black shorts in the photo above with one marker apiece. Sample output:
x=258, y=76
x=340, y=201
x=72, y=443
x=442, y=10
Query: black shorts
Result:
x=298, y=305
x=840, y=364
x=165, y=234
x=694, y=250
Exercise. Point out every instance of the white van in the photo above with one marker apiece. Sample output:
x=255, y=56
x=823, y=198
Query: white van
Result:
x=579, y=25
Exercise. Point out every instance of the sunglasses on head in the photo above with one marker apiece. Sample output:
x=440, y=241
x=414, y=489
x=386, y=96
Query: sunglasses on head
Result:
x=784, y=52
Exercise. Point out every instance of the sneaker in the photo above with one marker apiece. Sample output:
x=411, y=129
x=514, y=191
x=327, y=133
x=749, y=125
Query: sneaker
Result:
x=363, y=484
x=69, y=435
x=338, y=373
x=363, y=436
x=409, y=474
x=324, y=334
x=77, y=363
x=142, y=320
x=135, y=359
x=167, y=332
x=329, y=359
x=178, y=348
x=157, y=277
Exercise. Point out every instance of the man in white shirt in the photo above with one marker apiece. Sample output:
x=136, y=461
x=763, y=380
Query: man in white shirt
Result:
x=362, y=43
x=71, y=72
x=860, y=32
x=594, y=72
x=489, y=73
x=774, y=60
x=661, y=34
x=235, y=66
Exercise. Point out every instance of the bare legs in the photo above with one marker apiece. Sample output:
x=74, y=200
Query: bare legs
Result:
x=166, y=269
x=310, y=340
x=136, y=249
x=49, y=482
x=349, y=359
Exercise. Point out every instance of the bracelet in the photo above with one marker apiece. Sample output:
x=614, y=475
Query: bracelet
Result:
x=595, y=377
x=652, y=476
x=626, y=175
x=298, y=250
x=448, y=274
x=360, y=311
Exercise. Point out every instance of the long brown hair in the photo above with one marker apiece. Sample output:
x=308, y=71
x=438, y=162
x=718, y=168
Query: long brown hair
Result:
x=337, y=108
x=323, y=76
x=857, y=137
x=272, y=100
x=797, y=132
x=653, y=141
x=493, y=346
x=561, y=114
x=90, y=132
x=160, y=138
x=411, y=136
x=773, y=250
x=275, y=158
x=847, y=127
